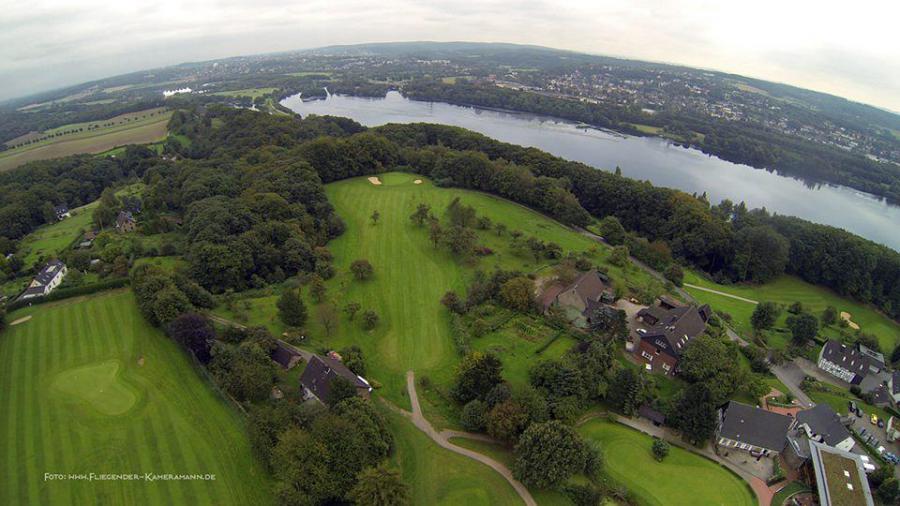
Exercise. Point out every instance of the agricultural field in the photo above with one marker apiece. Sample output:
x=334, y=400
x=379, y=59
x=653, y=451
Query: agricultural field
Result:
x=134, y=128
x=682, y=478
x=786, y=290
x=440, y=477
x=411, y=276
x=90, y=387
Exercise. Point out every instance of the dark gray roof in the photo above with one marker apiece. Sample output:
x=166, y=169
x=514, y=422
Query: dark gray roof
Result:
x=589, y=286
x=676, y=327
x=284, y=355
x=651, y=414
x=754, y=426
x=49, y=272
x=824, y=423
x=321, y=371
x=895, y=384
x=856, y=359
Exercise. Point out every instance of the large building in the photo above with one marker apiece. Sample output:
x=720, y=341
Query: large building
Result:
x=46, y=280
x=822, y=424
x=671, y=328
x=578, y=299
x=850, y=363
x=756, y=431
x=839, y=477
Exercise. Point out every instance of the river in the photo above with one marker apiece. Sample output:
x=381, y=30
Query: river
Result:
x=650, y=158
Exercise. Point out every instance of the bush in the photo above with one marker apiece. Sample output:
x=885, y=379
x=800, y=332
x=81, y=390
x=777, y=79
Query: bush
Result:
x=473, y=416
x=660, y=449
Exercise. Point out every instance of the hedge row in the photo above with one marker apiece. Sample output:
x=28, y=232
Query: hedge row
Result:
x=65, y=293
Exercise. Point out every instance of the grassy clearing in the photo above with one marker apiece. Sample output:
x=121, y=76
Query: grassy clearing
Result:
x=77, y=399
x=141, y=129
x=253, y=93
x=440, y=477
x=411, y=276
x=682, y=478
x=787, y=290
x=51, y=240
x=505, y=456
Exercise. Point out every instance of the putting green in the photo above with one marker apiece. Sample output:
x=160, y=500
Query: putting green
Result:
x=99, y=385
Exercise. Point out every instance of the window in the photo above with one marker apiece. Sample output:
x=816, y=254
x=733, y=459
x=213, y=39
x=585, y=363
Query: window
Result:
x=667, y=367
x=646, y=355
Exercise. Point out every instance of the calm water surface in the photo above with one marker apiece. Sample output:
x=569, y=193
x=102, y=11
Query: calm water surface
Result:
x=649, y=158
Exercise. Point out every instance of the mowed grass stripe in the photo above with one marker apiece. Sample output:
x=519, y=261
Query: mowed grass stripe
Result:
x=176, y=424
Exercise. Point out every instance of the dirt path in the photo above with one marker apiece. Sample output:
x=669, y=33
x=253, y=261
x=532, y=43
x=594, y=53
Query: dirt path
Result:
x=723, y=294
x=442, y=439
x=225, y=321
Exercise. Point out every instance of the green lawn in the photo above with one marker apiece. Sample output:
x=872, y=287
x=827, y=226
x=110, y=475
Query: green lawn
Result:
x=787, y=290
x=252, y=93
x=440, y=477
x=50, y=240
x=505, y=456
x=682, y=478
x=77, y=398
x=411, y=275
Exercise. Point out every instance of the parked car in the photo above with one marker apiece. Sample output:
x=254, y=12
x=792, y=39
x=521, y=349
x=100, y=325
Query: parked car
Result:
x=881, y=423
x=859, y=412
x=852, y=406
x=874, y=419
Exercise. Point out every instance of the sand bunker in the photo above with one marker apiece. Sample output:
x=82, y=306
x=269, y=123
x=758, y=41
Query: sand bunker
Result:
x=20, y=320
x=417, y=181
x=374, y=180
x=850, y=323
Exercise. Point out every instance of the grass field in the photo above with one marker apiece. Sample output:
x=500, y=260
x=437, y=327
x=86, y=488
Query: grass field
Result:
x=249, y=92
x=411, y=275
x=787, y=290
x=682, y=478
x=505, y=456
x=77, y=398
x=50, y=240
x=440, y=477
x=137, y=130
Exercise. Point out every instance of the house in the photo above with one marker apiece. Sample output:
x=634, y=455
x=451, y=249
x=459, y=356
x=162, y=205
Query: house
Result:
x=588, y=290
x=62, y=212
x=125, y=222
x=46, y=280
x=88, y=239
x=850, y=363
x=285, y=355
x=894, y=387
x=757, y=431
x=838, y=476
x=661, y=345
x=320, y=372
x=822, y=424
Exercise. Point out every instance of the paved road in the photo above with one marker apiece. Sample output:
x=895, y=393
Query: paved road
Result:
x=724, y=294
x=442, y=439
x=791, y=375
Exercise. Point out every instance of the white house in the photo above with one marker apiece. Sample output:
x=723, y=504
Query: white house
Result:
x=49, y=278
x=850, y=363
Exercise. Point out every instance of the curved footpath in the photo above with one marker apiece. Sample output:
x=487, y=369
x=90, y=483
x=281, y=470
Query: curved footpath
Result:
x=443, y=440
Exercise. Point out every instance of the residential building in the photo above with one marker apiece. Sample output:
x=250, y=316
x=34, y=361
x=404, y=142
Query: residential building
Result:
x=285, y=355
x=125, y=222
x=838, y=476
x=822, y=424
x=586, y=292
x=850, y=363
x=756, y=431
x=894, y=387
x=46, y=280
x=660, y=346
x=320, y=373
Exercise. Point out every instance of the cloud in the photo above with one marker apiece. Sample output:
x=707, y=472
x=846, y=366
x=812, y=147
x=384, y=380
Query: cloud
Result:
x=826, y=46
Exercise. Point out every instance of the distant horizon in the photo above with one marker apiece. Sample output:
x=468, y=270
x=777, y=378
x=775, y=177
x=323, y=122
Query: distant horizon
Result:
x=411, y=42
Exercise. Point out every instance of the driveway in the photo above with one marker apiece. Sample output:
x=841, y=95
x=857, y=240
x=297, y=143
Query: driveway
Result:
x=792, y=375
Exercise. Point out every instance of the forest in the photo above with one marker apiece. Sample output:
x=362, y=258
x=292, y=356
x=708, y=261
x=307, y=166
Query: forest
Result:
x=249, y=189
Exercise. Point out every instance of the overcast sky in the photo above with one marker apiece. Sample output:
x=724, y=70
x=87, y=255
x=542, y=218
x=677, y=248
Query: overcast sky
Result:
x=848, y=48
